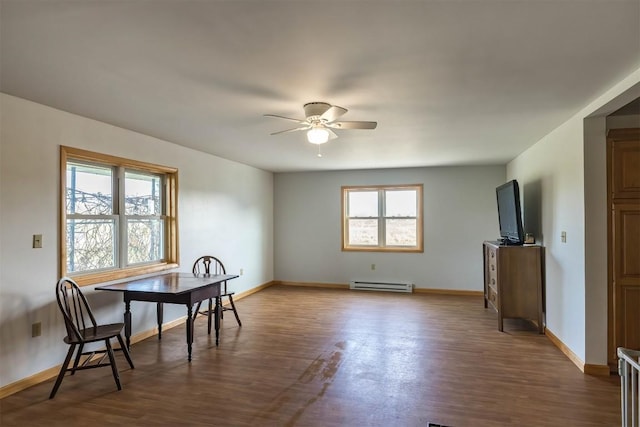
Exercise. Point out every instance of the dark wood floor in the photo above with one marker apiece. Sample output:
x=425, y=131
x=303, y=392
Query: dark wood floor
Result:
x=324, y=357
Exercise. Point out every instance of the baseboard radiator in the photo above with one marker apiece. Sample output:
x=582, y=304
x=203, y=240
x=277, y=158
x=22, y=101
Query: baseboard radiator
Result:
x=381, y=286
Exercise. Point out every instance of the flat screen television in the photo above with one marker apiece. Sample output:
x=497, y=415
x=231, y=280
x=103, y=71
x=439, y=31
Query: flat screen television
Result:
x=509, y=213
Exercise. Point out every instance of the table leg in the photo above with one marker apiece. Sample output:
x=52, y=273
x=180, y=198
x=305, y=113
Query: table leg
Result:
x=160, y=316
x=127, y=322
x=217, y=319
x=189, y=329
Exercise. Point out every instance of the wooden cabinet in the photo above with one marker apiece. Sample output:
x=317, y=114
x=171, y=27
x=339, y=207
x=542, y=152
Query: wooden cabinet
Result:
x=513, y=277
x=623, y=188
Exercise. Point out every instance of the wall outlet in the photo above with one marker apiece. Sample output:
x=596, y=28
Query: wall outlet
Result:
x=37, y=241
x=241, y=271
x=36, y=329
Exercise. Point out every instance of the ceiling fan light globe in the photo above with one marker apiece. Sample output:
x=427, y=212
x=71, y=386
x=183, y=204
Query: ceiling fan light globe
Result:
x=318, y=136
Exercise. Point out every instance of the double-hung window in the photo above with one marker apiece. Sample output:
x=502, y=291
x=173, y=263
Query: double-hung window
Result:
x=382, y=218
x=118, y=217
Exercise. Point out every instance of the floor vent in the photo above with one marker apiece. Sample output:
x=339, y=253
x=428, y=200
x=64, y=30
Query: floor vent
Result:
x=381, y=286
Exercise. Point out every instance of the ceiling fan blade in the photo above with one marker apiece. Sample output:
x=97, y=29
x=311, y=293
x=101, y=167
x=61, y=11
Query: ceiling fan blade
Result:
x=333, y=113
x=286, y=118
x=291, y=130
x=332, y=134
x=353, y=125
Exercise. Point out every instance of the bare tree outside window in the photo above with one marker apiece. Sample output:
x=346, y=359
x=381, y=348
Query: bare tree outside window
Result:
x=93, y=231
x=143, y=209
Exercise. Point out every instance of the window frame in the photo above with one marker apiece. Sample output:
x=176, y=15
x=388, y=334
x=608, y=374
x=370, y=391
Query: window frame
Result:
x=382, y=246
x=170, y=202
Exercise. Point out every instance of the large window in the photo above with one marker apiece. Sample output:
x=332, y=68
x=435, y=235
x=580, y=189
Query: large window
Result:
x=118, y=217
x=382, y=218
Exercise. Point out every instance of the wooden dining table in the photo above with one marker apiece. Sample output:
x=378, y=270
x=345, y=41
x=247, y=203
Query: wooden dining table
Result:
x=171, y=288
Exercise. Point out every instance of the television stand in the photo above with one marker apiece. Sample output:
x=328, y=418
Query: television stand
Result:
x=513, y=281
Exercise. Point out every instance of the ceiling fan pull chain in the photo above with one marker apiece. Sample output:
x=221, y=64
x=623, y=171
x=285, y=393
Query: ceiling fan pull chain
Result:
x=319, y=152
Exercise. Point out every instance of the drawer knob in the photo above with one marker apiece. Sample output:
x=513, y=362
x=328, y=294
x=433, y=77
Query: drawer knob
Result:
x=493, y=281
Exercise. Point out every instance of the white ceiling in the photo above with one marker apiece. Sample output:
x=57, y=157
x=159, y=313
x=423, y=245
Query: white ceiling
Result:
x=449, y=82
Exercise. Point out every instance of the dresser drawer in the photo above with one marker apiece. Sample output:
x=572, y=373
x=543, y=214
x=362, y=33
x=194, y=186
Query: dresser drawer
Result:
x=492, y=258
x=492, y=279
x=492, y=296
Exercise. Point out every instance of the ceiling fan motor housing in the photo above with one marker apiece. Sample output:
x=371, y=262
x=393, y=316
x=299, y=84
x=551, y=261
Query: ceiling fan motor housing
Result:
x=315, y=108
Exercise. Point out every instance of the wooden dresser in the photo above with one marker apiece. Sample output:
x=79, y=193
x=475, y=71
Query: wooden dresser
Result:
x=513, y=282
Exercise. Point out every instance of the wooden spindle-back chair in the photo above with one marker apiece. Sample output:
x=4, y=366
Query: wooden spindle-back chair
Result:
x=210, y=265
x=82, y=329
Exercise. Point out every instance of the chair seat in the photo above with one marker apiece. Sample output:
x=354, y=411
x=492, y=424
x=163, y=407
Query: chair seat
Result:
x=99, y=333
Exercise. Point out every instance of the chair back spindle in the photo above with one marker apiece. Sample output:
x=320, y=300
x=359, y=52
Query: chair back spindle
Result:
x=75, y=309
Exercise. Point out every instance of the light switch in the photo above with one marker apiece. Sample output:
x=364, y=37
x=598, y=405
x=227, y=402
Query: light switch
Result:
x=563, y=237
x=37, y=241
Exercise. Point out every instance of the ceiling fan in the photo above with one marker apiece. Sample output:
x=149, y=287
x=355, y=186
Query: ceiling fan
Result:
x=321, y=119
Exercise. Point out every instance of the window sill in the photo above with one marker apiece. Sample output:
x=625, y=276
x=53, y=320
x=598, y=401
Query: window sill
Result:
x=378, y=249
x=108, y=276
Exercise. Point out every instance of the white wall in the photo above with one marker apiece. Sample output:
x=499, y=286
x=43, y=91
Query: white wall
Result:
x=595, y=202
x=225, y=209
x=459, y=214
x=553, y=169
x=564, y=176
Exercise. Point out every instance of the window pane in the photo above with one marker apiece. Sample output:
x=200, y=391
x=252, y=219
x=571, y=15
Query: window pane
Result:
x=142, y=194
x=400, y=232
x=400, y=203
x=363, y=203
x=89, y=189
x=90, y=244
x=363, y=232
x=145, y=240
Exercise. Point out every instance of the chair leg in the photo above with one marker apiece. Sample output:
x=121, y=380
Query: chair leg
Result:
x=235, y=312
x=77, y=360
x=112, y=359
x=125, y=351
x=63, y=370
